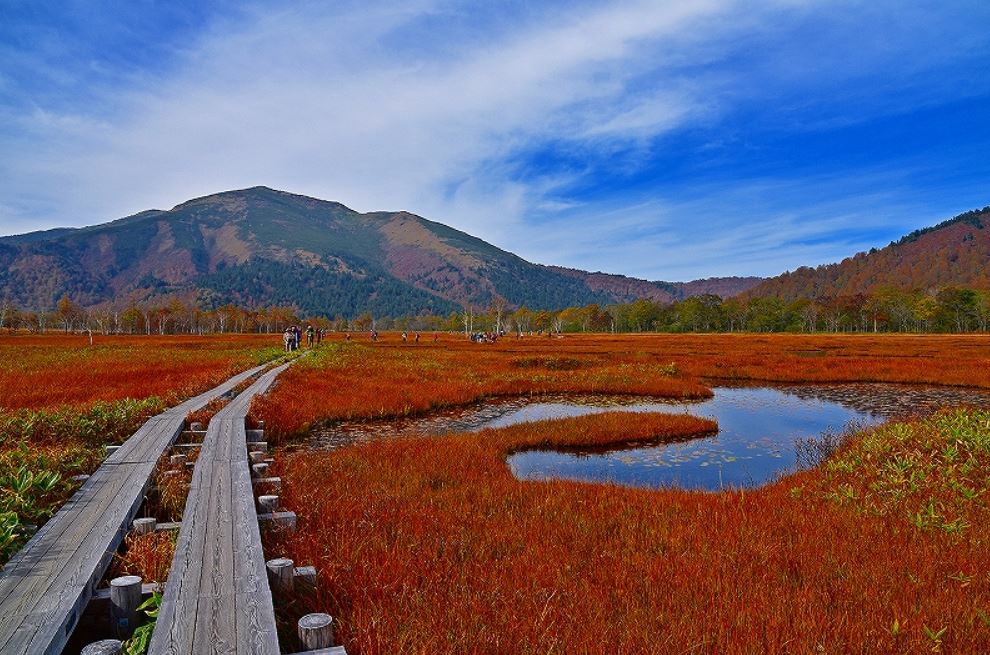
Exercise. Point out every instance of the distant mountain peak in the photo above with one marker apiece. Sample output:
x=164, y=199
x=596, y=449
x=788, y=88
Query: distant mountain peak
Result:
x=260, y=246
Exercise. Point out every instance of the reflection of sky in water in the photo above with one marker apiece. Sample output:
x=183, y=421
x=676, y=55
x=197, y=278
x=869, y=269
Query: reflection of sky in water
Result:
x=758, y=428
x=757, y=431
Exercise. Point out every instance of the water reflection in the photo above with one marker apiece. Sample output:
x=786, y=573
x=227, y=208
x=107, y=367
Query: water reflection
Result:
x=759, y=427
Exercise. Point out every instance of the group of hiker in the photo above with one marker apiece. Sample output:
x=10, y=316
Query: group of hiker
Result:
x=293, y=336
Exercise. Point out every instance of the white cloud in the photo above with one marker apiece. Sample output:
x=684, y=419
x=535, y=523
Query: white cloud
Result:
x=363, y=104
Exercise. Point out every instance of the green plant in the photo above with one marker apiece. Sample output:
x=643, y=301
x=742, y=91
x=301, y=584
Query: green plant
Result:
x=139, y=641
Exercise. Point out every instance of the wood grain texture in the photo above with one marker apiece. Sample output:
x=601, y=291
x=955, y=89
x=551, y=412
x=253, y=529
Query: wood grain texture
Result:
x=47, y=584
x=217, y=598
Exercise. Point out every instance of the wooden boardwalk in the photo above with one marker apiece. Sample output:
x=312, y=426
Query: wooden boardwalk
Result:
x=217, y=598
x=46, y=586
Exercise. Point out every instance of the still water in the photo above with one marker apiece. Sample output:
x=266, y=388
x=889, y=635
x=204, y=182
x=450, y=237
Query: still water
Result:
x=759, y=429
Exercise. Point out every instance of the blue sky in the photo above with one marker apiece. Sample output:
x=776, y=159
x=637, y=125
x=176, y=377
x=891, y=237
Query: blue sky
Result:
x=665, y=140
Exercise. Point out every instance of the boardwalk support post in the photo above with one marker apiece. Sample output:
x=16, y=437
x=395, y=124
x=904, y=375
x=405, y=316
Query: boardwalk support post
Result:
x=144, y=526
x=268, y=504
x=104, y=647
x=316, y=631
x=280, y=576
x=305, y=578
x=125, y=596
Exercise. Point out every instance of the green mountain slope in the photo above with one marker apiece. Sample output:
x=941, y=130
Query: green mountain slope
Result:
x=260, y=246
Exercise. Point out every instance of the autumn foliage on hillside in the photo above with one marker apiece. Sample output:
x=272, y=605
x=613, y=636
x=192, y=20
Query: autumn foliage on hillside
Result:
x=953, y=253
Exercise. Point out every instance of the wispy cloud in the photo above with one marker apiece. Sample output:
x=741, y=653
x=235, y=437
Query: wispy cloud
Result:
x=503, y=122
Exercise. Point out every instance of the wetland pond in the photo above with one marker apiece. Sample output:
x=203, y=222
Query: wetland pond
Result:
x=760, y=429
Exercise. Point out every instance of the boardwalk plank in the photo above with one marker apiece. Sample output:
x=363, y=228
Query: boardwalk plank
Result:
x=217, y=598
x=44, y=588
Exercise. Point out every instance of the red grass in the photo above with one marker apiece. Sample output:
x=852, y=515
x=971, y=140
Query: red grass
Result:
x=43, y=372
x=430, y=545
x=148, y=556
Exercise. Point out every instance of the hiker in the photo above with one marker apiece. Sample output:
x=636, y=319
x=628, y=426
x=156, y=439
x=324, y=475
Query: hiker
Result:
x=297, y=334
x=347, y=336
x=319, y=336
x=405, y=337
x=417, y=337
x=309, y=336
x=287, y=340
x=374, y=335
x=435, y=337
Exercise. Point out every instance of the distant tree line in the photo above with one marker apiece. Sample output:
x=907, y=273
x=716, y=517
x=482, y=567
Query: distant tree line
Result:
x=949, y=309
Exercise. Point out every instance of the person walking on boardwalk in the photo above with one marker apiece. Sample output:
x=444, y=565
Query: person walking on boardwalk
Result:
x=309, y=336
x=374, y=335
x=417, y=337
x=405, y=337
x=287, y=340
x=297, y=336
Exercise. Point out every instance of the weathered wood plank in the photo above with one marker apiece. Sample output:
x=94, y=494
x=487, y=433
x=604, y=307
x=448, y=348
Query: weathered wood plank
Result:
x=217, y=598
x=44, y=588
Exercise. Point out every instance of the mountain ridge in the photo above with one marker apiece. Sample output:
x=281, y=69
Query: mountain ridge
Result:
x=954, y=252
x=260, y=246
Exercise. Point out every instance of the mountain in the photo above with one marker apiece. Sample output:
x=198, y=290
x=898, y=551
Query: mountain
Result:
x=260, y=246
x=955, y=252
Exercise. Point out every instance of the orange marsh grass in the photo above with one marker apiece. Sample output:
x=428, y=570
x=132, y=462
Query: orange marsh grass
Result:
x=431, y=545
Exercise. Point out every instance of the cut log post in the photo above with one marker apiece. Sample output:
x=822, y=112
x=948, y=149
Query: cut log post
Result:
x=82, y=477
x=316, y=631
x=275, y=484
x=279, y=520
x=104, y=647
x=258, y=447
x=260, y=470
x=280, y=576
x=196, y=426
x=268, y=504
x=256, y=457
x=178, y=460
x=305, y=577
x=110, y=450
x=145, y=526
x=125, y=596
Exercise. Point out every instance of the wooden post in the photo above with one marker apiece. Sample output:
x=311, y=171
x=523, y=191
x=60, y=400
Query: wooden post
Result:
x=145, y=526
x=256, y=457
x=260, y=470
x=258, y=447
x=196, y=426
x=104, y=647
x=110, y=450
x=305, y=577
x=177, y=460
x=316, y=631
x=125, y=596
x=268, y=504
x=280, y=575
